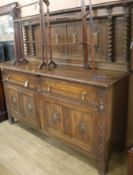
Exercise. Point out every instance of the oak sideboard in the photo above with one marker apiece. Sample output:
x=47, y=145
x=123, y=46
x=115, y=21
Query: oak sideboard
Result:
x=85, y=109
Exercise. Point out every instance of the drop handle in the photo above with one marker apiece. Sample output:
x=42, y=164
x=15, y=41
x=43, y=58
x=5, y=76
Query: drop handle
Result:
x=26, y=83
x=49, y=88
x=83, y=95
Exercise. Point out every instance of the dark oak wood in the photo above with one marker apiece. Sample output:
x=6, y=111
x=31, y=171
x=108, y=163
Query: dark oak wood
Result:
x=110, y=32
x=85, y=109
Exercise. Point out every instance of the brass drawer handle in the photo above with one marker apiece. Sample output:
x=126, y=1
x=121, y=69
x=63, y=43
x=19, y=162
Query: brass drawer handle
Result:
x=83, y=96
x=49, y=88
x=26, y=83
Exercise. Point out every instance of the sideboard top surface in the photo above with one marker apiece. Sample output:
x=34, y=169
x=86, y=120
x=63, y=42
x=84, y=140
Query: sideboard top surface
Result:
x=99, y=77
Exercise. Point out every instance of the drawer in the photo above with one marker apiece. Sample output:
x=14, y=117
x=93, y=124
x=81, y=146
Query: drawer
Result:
x=18, y=78
x=66, y=89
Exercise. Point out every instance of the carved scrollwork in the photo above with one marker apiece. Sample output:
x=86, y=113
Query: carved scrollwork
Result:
x=102, y=132
x=33, y=38
x=30, y=107
x=126, y=33
x=26, y=38
x=110, y=35
x=57, y=38
x=82, y=127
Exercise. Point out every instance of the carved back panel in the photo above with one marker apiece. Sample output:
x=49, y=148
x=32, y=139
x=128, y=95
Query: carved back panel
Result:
x=112, y=27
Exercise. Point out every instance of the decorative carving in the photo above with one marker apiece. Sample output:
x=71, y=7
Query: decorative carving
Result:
x=126, y=33
x=110, y=35
x=82, y=127
x=57, y=38
x=14, y=99
x=32, y=40
x=30, y=107
x=56, y=117
x=26, y=39
x=102, y=133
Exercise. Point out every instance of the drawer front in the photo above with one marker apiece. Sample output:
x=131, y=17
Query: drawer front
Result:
x=22, y=79
x=74, y=124
x=70, y=90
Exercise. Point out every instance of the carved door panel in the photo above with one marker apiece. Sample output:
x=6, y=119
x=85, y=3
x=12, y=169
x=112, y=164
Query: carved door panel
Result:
x=76, y=124
x=59, y=40
x=30, y=111
x=80, y=125
x=74, y=37
x=13, y=99
x=53, y=112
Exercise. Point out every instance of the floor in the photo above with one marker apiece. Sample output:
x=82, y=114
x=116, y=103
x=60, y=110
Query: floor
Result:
x=24, y=151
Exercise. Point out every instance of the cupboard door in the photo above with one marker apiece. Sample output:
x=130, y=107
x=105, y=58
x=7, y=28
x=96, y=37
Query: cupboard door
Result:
x=54, y=117
x=76, y=124
x=13, y=99
x=80, y=125
x=30, y=111
x=83, y=128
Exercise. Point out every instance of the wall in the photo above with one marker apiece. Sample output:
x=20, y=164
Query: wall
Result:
x=55, y=4
x=6, y=28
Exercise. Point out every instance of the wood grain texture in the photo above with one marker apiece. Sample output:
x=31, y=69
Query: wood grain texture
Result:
x=89, y=115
